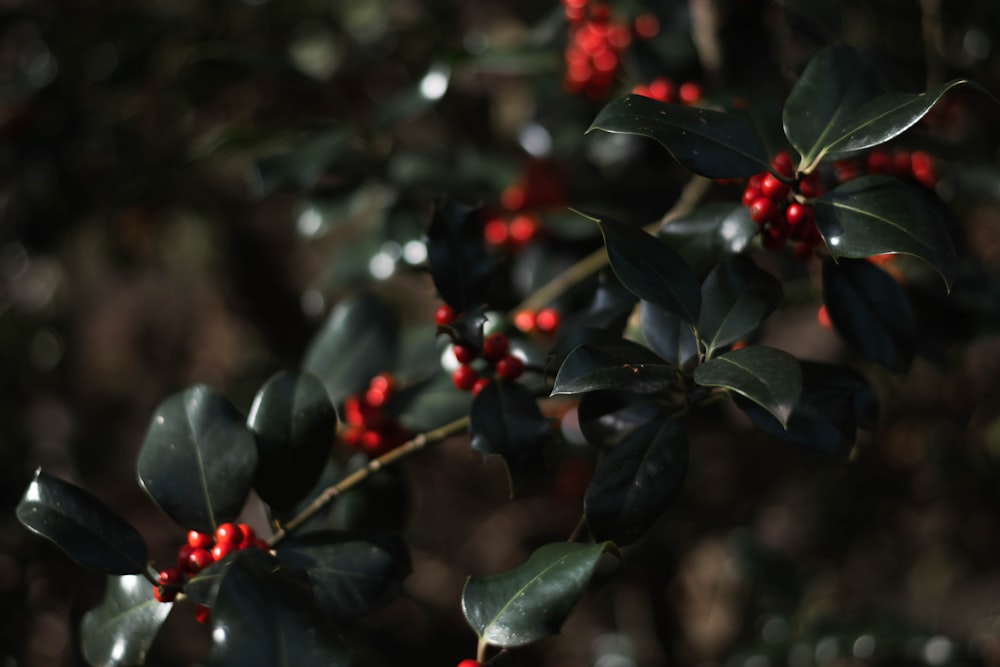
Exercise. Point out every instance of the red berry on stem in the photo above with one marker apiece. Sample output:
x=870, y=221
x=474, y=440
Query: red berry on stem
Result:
x=547, y=320
x=495, y=346
x=464, y=377
x=782, y=163
x=200, y=540
x=751, y=194
x=223, y=549
x=183, y=553
x=773, y=187
x=510, y=367
x=464, y=354
x=445, y=314
x=763, y=210
x=248, y=534
x=199, y=560
x=228, y=532
x=797, y=214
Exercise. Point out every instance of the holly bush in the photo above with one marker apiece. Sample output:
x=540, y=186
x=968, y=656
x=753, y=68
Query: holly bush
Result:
x=591, y=309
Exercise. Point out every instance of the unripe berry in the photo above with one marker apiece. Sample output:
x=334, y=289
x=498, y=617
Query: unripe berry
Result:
x=464, y=354
x=547, y=320
x=773, y=187
x=464, y=377
x=510, y=367
x=763, y=210
x=445, y=314
x=495, y=346
x=228, y=532
x=199, y=560
x=200, y=540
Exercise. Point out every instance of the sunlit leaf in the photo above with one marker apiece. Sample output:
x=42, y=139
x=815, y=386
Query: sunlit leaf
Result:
x=669, y=336
x=710, y=232
x=767, y=376
x=531, y=601
x=199, y=459
x=712, y=143
x=86, y=529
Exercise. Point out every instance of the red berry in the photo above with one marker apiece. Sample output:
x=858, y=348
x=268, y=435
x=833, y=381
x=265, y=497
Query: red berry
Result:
x=376, y=397
x=810, y=186
x=164, y=594
x=773, y=187
x=495, y=232
x=755, y=180
x=662, y=89
x=479, y=385
x=384, y=382
x=171, y=576
x=445, y=314
x=510, y=367
x=183, y=554
x=469, y=662
x=647, y=26
x=200, y=540
x=902, y=164
x=465, y=354
x=523, y=229
x=373, y=443
x=690, y=93
x=547, y=320
x=878, y=162
x=797, y=214
x=495, y=346
x=223, y=549
x=248, y=535
x=525, y=321
x=751, y=194
x=228, y=532
x=464, y=377
x=202, y=614
x=199, y=560
x=823, y=317
x=782, y=163
x=763, y=210
x=513, y=197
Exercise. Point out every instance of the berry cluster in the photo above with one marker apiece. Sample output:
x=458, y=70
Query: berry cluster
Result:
x=665, y=90
x=777, y=204
x=369, y=427
x=915, y=165
x=593, y=52
x=200, y=551
x=499, y=362
x=546, y=321
x=510, y=233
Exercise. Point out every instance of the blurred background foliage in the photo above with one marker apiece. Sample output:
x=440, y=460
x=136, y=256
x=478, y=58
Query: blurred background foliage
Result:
x=186, y=188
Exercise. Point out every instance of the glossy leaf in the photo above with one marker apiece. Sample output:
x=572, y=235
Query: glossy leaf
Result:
x=295, y=424
x=651, y=270
x=825, y=418
x=203, y=586
x=625, y=366
x=359, y=340
x=871, y=311
x=467, y=327
x=712, y=143
x=121, y=629
x=607, y=313
x=709, y=233
x=86, y=529
x=461, y=266
x=199, y=459
x=736, y=298
x=669, y=336
x=606, y=417
x=351, y=575
x=873, y=215
x=769, y=377
x=883, y=119
x=263, y=616
x=635, y=481
x=833, y=87
x=505, y=421
x=531, y=601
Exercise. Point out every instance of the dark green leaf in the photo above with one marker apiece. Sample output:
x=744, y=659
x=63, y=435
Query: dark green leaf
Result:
x=264, y=615
x=608, y=416
x=467, y=328
x=359, y=339
x=626, y=366
x=199, y=459
x=876, y=214
x=835, y=84
x=735, y=298
x=769, y=377
x=203, y=586
x=825, y=419
x=295, y=424
x=651, y=270
x=635, y=481
x=882, y=119
x=82, y=526
x=669, y=336
x=303, y=164
x=505, y=421
x=461, y=267
x=121, y=629
x=710, y=232
x=712, y=143
x=351, y=575
x=607, y=313
x=531, y=601
x=871, y=311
